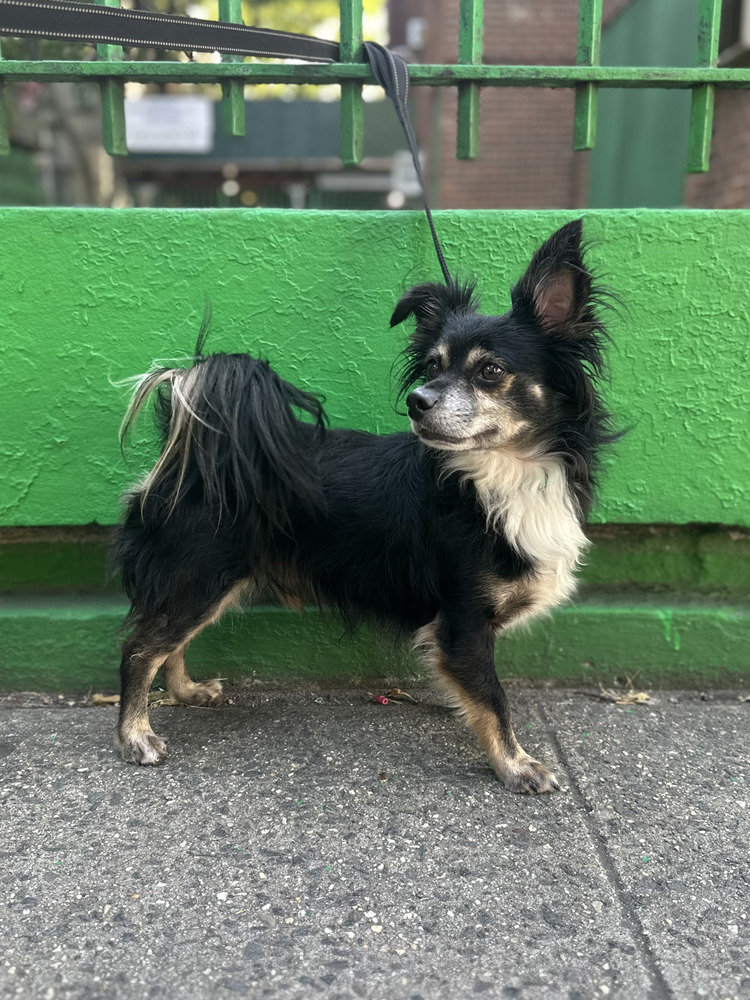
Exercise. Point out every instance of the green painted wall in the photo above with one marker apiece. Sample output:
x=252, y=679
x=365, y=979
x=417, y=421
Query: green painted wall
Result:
x=642, y=135
x=90, y=297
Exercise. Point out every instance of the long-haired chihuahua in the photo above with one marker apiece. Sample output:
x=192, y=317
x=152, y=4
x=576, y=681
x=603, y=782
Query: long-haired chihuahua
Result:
x=453, y=533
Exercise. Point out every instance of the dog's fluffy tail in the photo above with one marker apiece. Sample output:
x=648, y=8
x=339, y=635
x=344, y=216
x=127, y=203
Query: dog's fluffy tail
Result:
x=231, y=438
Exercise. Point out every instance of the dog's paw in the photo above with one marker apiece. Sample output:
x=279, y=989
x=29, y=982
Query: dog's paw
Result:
x=529, y=777
x=207, y=693
x=143, y=748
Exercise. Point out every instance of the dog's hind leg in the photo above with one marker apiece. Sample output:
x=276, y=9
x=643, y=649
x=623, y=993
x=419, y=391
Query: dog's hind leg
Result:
x=155, y=643
x=459, y=647
x=142, y=655
x=181, y=688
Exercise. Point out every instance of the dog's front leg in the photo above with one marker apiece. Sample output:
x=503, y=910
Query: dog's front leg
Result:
x=460, y=647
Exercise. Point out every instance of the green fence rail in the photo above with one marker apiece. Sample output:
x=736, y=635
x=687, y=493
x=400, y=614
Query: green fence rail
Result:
x=111, y=70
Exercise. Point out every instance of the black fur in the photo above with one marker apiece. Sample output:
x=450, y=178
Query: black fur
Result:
x=369, y=526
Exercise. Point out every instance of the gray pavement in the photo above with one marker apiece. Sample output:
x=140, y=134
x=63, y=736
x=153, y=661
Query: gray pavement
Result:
x=309, y=843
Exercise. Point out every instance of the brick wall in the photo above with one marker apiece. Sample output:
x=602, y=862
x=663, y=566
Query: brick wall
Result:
x=526, y=158
x=727, y=184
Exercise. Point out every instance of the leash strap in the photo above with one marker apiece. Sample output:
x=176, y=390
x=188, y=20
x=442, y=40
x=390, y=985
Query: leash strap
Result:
x=392, y=73
x=89, y=22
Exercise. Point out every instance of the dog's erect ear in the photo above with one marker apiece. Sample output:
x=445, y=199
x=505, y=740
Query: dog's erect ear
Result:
x=557, y=287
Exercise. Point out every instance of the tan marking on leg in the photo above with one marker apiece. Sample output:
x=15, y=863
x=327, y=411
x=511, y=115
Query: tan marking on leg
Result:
x=138, y=743
x=181, y=688
x=513, y=766
x=178, y=681
x=293, y=603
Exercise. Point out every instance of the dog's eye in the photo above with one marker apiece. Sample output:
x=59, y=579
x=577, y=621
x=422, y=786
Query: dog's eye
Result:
x=491, y=372
x=432, y=369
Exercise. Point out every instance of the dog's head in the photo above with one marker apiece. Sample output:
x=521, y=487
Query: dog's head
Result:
x=491, y=381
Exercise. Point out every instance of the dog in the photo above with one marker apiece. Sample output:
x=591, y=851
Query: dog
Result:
x=453, y=533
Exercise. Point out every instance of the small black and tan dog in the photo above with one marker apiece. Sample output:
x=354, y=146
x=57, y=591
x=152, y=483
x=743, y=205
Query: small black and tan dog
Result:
x=453, y=533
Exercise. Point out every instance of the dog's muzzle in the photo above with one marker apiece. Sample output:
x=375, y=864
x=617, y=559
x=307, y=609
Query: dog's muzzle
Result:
x=420, y=401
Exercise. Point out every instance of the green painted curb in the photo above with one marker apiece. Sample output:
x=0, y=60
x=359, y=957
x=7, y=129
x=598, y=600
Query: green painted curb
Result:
x=54, y=643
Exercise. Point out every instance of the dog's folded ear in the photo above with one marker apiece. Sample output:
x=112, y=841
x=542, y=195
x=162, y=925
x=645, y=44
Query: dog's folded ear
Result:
x=556, y=289
x=425, y=302
x=430, y=303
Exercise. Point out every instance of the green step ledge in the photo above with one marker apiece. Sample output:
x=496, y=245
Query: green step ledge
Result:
x=50, y=643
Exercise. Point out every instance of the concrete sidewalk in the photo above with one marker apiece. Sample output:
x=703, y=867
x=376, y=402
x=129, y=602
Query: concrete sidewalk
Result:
x=303, y=844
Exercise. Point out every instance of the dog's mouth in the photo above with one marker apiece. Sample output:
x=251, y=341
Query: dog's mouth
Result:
x=448, y=443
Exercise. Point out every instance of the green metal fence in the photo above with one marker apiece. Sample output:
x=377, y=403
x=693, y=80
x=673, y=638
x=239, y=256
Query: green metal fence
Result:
x=111, y=70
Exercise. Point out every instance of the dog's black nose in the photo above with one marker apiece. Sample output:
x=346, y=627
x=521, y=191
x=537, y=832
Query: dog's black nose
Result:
x=420, y=400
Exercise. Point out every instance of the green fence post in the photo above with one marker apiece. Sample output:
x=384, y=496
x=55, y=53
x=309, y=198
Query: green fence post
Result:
x=702, y=108
x=4, y=139
x=113, y=99
x=469, y=52
x=351, y=93
x=589, y=49
x=233, y=91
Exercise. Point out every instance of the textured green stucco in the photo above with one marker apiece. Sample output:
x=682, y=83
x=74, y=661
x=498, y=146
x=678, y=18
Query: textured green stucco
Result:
x=90, y=297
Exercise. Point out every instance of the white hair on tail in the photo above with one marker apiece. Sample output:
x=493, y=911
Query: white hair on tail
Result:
x=176, y=450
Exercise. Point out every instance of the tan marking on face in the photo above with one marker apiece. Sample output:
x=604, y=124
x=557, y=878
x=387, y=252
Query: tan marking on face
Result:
x=537, y=391
x=477, y=354
x=444, y=354
x=494, y=414
x=507, y=382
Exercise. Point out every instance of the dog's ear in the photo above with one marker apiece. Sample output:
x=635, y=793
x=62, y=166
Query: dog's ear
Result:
x=425, y=302
x=556, y=289
x=430, y=303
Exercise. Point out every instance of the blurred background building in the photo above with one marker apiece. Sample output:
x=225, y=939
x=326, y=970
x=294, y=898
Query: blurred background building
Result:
x=181, y=155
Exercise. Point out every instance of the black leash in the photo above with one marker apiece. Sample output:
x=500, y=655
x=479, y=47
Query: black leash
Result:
x=89, y=22
x=392, y=73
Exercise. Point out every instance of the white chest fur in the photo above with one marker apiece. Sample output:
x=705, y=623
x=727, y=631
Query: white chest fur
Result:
x=530, y=497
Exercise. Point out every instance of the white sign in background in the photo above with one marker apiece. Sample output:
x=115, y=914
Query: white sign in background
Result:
x=168, y=123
